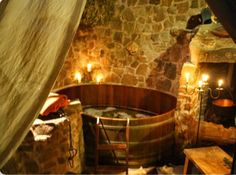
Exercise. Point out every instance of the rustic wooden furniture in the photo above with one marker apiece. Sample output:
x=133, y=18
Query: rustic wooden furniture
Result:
x=124, y=146
x=209, y=160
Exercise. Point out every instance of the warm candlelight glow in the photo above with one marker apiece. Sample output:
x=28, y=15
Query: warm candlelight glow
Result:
x=220, y=83
x=89, y=67
x=78, y=77
x=187, y=77
x=205, y=77
x=99, y=78
x=200, y=83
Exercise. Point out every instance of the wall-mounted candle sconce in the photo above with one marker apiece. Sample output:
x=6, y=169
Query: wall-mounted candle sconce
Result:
x=78, y=77
x=216, y=91
x=99, y=78
x=89, y=67
x=89, y=74
x=203, y=86
x=204, y=91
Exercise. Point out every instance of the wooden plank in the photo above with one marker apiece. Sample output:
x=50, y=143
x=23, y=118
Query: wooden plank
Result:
x=111, y=147
x=187, y=166
x=120, y=95
x=209, y=160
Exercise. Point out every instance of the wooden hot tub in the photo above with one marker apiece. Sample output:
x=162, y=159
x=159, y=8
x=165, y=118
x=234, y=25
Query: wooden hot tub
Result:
x=151, y=138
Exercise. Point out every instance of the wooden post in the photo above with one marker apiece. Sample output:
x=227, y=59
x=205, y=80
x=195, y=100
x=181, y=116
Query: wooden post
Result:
x=187, y=166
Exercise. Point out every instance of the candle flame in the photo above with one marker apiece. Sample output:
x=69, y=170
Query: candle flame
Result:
x=200, y=83
x=205, y=77
x=99, y=78
x=89, y=67
x=220, y=82
x=78, y=76
x=187, y=76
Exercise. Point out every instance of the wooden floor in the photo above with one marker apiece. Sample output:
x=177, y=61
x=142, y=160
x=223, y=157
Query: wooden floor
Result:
x=141, y=171
x=174, y=167
x=118, y=170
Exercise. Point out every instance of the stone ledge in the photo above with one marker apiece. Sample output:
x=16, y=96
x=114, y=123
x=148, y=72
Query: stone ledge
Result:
x=45, y=149
x=207, y=47
x=42, y=130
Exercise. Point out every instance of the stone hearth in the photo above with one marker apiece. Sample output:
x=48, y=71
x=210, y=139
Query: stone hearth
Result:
x=206, y=50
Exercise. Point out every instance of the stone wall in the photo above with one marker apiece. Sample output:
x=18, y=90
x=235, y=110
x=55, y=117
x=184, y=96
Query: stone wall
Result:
x=45, y=150
x=187, y=111
x=134, y=44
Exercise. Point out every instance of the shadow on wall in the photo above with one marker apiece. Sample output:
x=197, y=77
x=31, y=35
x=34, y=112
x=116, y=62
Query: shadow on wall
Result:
x=169, y=64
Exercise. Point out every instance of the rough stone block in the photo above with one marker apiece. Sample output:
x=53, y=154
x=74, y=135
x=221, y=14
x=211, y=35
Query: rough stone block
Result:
x=110, y=45
x=132, y=48
x=138, y=28
x=157, y=28
x=182, y=7
x=112, y=77
x=194, y=4
x=128, y=15
x=129, y=79
x=167, y=24
x=142, y=69
x=159, y=14
x=170, y=71
x=181, y=18
x=155, y=2
x=118, y=37
x=163, y=84
x=131, y=2
x=142, y=2
x=129, y=27
x=116, y=24
x=134, y=64
x=166, y=2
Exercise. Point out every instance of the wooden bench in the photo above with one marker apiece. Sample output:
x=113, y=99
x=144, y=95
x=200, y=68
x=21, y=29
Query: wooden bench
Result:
x=208, y=160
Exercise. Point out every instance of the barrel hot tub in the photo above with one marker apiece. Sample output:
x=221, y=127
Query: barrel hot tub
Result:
x=151, y=137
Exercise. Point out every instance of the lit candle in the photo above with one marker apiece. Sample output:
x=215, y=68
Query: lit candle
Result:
x=89, y=67
x=187, y=76
x=205, y=78
x=200, y=83
x=220, y=83
x=99, y=78
x=78, y=77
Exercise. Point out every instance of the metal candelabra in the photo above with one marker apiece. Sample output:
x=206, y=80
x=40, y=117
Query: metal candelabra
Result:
x=204, y=92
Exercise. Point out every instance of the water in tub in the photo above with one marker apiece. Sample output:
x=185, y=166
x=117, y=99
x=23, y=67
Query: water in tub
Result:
x=115, y=112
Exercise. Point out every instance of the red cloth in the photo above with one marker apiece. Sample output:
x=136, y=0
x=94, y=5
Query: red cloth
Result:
x=53, y=103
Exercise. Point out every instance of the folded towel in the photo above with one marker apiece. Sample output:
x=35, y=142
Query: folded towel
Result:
x=53, y=103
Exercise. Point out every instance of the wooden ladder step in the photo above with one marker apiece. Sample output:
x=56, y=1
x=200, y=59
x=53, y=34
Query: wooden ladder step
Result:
x=111, y=147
